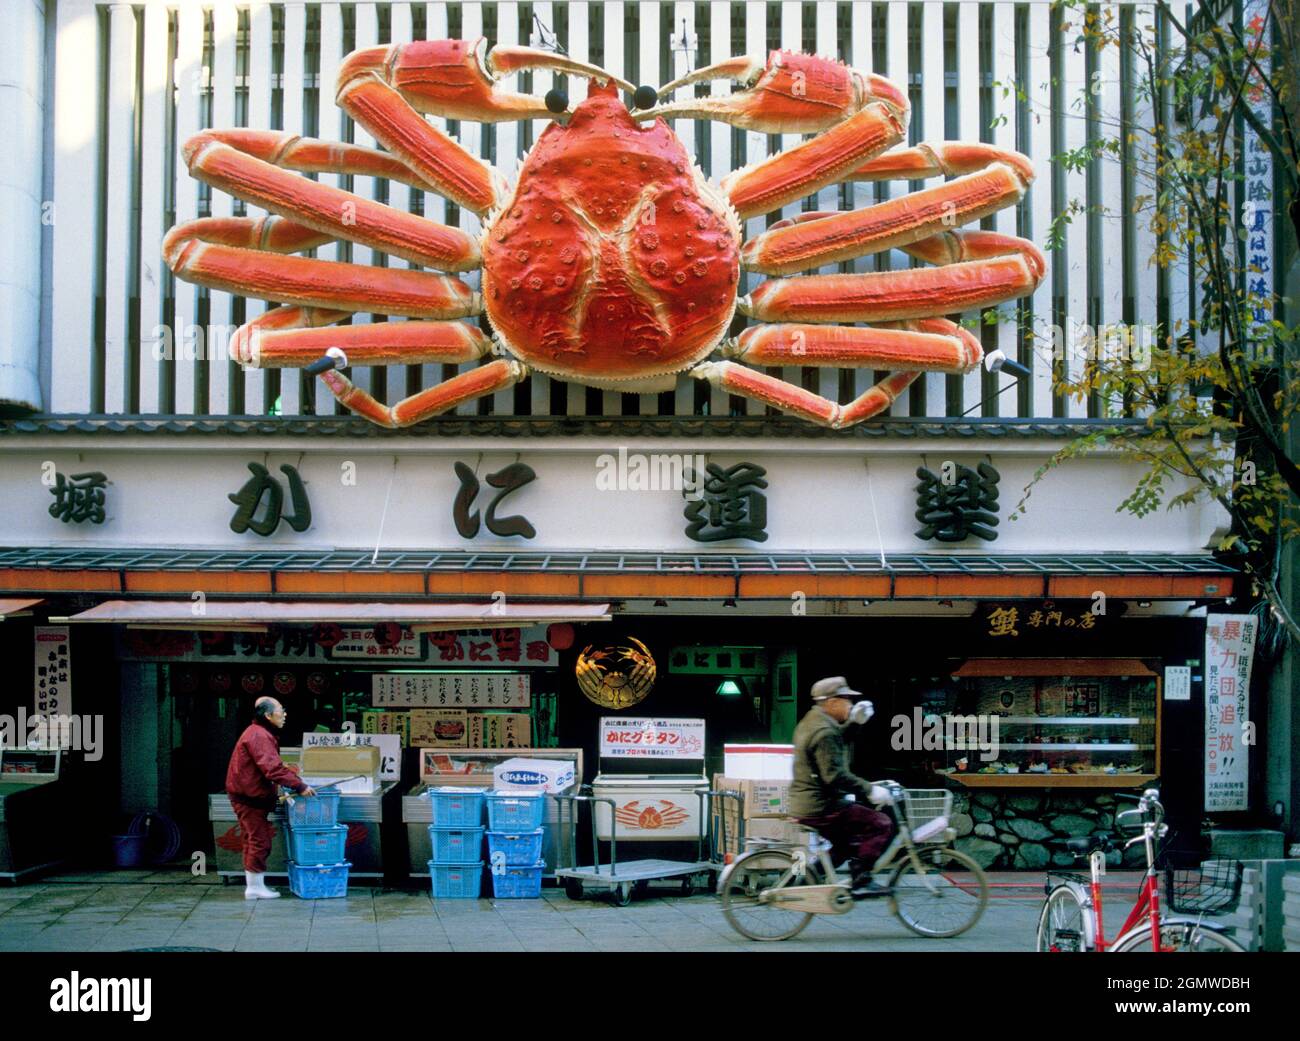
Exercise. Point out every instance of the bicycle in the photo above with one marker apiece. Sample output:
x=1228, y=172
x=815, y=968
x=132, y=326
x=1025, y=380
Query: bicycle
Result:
x=1071, y=918
x=772, y=891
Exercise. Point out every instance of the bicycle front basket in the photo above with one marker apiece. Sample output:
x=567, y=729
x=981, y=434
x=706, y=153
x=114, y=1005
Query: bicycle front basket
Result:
x=1212, y=888
x=922, y=805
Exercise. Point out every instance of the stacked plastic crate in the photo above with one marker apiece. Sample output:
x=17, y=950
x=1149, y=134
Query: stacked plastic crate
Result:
x=515, y=844
x=317, y=868
x=456, y=837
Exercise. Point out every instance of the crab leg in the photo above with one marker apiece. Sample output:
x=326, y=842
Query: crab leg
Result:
x=797, y=245
x=804, y=169
x=791, y=94
x=980, y=269
x=476, y=383
x=795, y=401
x=949, y=158
x=326, y=209
x=930, y=344
x=291, y=337
x=313, y=283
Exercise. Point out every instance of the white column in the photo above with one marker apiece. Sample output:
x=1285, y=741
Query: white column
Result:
x=22, y=96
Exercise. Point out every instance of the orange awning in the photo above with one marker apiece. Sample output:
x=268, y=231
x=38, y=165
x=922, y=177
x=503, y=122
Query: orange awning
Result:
x=426, y=616
x=10, y=608
x=1053, y=667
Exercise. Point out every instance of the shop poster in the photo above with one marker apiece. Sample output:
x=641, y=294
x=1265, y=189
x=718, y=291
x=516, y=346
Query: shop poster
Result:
x=651, y=738
x=1229, y=651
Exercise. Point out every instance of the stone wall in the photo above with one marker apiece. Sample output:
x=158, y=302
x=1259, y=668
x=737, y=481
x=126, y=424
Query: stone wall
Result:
x=1016, y=829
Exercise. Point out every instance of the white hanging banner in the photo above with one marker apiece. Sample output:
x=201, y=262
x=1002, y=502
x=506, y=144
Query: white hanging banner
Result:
x=53, y=678
x=1229, y=651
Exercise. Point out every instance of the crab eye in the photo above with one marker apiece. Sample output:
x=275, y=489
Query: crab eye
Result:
x=645, y=97
x=556, y=101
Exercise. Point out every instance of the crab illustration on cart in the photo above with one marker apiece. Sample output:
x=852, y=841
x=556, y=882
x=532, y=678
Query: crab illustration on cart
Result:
x=659, y=815
x=610, y=261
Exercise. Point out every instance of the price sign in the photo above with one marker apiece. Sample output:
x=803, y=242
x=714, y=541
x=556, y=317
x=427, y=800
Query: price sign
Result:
x=450, y=690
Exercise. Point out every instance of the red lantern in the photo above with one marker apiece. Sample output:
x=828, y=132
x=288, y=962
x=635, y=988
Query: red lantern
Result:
x=285, y=683
x=560, y=636
x=252, y=682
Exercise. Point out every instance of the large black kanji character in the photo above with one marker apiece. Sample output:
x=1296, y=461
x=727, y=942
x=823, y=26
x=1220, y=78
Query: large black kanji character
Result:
x=730, y=505
x=508, y=479
x=79, y=498
x=263, y=485
x=963, y=505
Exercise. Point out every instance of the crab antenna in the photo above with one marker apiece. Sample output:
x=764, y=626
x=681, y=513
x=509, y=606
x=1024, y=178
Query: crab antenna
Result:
x=740, y=69
x=505, y=60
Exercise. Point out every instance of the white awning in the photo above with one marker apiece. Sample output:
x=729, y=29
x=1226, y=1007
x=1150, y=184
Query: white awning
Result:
x=16, y=608
x=421, y=616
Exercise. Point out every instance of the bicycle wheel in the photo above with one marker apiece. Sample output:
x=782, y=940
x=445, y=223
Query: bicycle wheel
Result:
x=1061, y=925
x=945, y=899
x=1183, y=936
x=746, y=879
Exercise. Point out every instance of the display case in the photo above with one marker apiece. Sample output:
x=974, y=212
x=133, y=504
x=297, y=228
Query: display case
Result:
x=1058, y=722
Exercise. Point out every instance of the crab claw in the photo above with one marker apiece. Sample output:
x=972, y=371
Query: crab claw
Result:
x=792, y=94
x=457, y=80
x=502, y=61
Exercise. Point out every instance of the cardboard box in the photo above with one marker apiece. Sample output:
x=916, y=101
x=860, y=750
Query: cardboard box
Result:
x=341, y=761
x=439, y=728
x=761, y=797
x=758, y=762
x=773, y=831
x=533, y=775
x=500, y=730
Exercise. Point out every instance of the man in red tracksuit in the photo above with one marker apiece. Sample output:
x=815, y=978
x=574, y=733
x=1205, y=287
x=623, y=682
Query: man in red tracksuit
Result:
x=255, y=769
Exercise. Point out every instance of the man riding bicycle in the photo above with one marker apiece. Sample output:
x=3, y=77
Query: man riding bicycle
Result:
x=822, y=780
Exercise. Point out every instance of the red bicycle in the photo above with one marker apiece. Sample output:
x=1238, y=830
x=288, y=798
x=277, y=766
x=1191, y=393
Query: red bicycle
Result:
x=1071, y=919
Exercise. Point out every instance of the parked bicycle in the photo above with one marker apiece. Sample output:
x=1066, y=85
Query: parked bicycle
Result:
x=773, y=891
x=1071, y=919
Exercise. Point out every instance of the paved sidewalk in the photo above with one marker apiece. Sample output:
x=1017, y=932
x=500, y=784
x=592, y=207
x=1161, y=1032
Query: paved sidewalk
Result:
x=127, y=910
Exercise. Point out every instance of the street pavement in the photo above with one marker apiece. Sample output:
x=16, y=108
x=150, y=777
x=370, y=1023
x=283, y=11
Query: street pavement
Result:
x=132, y=910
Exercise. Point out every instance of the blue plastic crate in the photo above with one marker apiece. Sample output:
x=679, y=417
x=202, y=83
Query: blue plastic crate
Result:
x=314, y=811
x=518, y=882
x=518, y=848
x=457, y=807
x=319, y=881
x=515, y=811
x=318, y=845
x=456, y=845
x=455, y=881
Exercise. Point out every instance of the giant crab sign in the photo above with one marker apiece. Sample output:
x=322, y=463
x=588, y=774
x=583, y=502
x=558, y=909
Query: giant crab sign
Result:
x=610, y=261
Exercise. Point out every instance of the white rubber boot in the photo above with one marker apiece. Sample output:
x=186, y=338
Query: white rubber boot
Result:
x=255, y=888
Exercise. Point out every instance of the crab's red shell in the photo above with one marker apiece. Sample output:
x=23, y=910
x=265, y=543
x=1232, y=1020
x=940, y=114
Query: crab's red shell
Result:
x=612, y=262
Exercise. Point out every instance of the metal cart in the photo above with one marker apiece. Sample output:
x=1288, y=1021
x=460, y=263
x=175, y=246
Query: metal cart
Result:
x=621, y=880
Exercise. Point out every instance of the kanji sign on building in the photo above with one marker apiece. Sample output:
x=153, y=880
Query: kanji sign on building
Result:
x=652, y=738
x=386, y=640
x=450, y=690
x=1229, y=651
x=493, y=647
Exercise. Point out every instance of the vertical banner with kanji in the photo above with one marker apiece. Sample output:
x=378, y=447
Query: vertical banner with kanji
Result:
x=1229, y=651
x=1257, y=210
x=53, y=678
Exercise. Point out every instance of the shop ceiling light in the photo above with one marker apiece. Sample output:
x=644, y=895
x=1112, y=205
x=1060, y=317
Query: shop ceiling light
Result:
x=729, y=689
